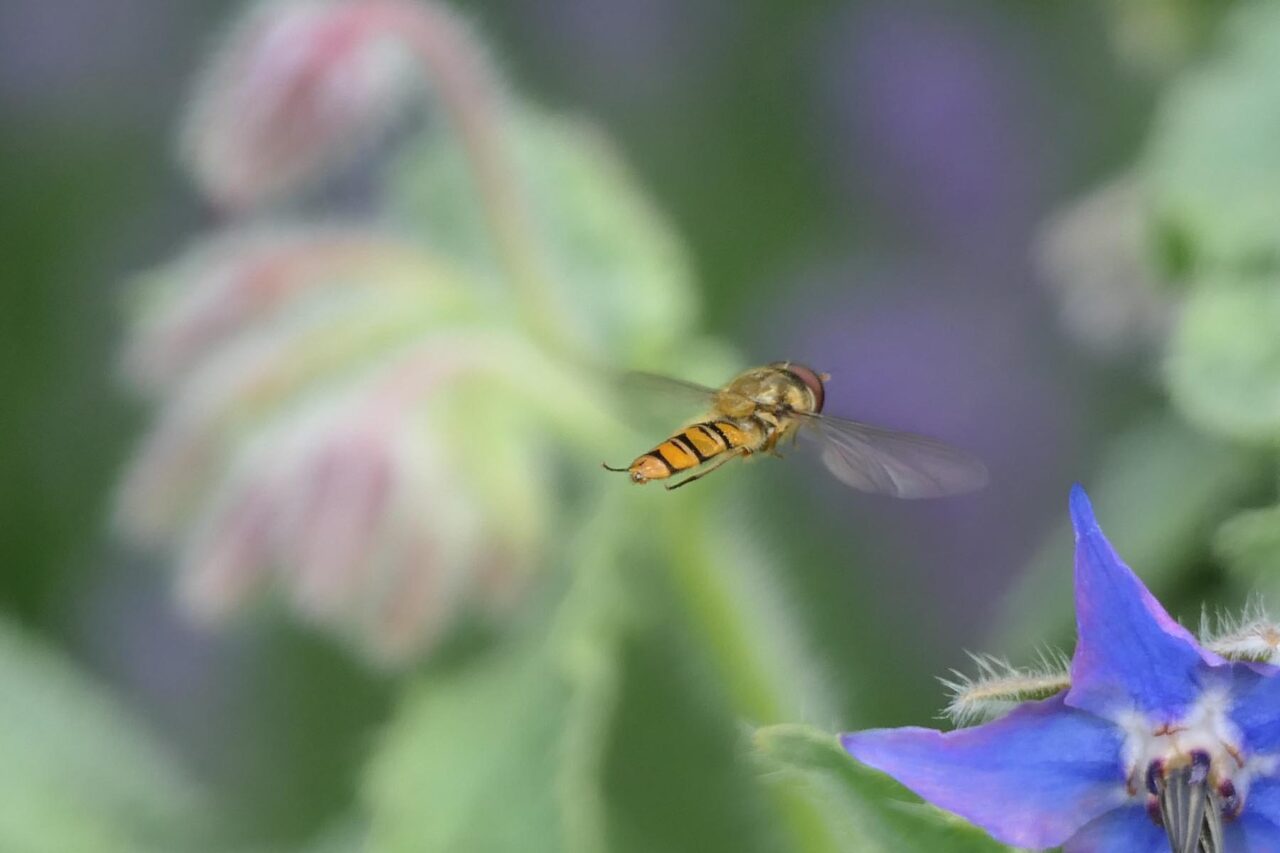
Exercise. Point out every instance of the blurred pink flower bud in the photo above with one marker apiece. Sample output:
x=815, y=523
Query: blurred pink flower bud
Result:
x=239, y=326
x=297, y=87
x=226, y=553
x=347, y=419
x=352, y=517
x=311, y=437
x=344, y=491
x=239, y=279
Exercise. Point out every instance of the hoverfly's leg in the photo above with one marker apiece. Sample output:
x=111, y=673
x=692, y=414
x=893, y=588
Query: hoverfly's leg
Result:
x=769, y=424
x=793, y=435
x=606, y=466
x=771, y=444
x=733, y=454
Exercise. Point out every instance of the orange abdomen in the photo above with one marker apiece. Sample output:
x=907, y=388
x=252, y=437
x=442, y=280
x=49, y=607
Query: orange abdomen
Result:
x=688, y=449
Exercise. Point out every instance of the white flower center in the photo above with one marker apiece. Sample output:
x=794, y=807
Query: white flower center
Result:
x=1205, y=740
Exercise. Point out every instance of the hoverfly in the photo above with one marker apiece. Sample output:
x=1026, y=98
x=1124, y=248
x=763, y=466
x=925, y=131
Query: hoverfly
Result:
x=761, y=407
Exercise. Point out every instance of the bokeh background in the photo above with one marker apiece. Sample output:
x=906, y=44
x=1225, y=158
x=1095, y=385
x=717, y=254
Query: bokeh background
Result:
x=949, y=207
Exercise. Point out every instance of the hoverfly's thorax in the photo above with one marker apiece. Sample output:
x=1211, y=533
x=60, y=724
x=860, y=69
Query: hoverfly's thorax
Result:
x=781, y=386
x=754, y=384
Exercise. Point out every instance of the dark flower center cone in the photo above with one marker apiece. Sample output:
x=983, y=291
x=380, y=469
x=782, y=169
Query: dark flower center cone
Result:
x=1190, y=810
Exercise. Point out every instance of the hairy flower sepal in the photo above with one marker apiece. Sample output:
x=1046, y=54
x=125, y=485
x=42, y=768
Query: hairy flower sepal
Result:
x=1157, y=745
x=998, y=686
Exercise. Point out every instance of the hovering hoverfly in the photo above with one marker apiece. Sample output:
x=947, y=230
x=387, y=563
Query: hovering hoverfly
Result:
x=761, y=407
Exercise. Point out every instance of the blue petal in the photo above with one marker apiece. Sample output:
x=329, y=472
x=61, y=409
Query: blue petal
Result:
x=1257, y=691
x=1251, y=834
x=1260, y=822
x=1130, y=653
x=1031, y=779
x=1131, y=830
x=1128, y=829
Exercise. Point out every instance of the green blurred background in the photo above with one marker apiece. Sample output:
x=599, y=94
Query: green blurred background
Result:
x=870, y=187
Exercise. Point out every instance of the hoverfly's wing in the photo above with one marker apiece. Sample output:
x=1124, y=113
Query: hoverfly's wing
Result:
x=893, y=463
x=653, y=386
x=654, y=403
x=668, y=395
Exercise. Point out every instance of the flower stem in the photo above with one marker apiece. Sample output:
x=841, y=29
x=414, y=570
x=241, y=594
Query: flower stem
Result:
x=748, y=646
x=471, y=96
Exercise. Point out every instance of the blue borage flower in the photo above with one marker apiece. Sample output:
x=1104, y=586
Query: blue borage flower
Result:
x=1158, y=743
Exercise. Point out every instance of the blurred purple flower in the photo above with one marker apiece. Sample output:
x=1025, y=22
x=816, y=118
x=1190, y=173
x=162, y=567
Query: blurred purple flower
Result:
x=922, y=346
x=633, y=51
x=933, y=114
x=1153, y=731
x=64, y=57
x=189, y=678
x=925, y=110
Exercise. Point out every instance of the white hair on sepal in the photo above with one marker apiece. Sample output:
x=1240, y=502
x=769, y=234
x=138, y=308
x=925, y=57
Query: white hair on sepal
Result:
x=1250, y=636
x=999, y=686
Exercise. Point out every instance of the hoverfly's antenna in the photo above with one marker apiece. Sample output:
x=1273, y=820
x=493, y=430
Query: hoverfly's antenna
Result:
x=605, y=466
x=825, y=377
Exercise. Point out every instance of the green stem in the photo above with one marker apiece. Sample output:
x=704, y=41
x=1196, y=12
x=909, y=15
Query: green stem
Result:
x=762, y=690
x=472, y=98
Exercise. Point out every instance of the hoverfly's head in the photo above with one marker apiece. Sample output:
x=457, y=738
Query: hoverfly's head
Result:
x=813, y=380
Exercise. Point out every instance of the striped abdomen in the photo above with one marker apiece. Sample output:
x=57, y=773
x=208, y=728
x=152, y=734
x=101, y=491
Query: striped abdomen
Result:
x=690, y=448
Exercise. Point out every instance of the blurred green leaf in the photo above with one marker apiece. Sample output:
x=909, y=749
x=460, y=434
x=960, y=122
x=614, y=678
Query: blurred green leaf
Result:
x=674, y=774
x=599, y=612
x=878, y=814
x=78, y=773
x=613, y=251
x=1159, y=492
x=742, y=619
x=620, y=275
x=1156, y=36
x=465, y=764
x=1213, y=166
x=1250, y=543
x=527, y=725
x=344, y=836
x=1223, y=363
x=499, y=755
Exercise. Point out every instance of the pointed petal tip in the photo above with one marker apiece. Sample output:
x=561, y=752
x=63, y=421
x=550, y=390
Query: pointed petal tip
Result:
x=851, y=741
x=1082, y=511
x=877, y=748
x=1129, y=649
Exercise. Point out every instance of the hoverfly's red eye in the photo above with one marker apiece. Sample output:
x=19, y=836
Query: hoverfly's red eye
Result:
x=810, y=378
